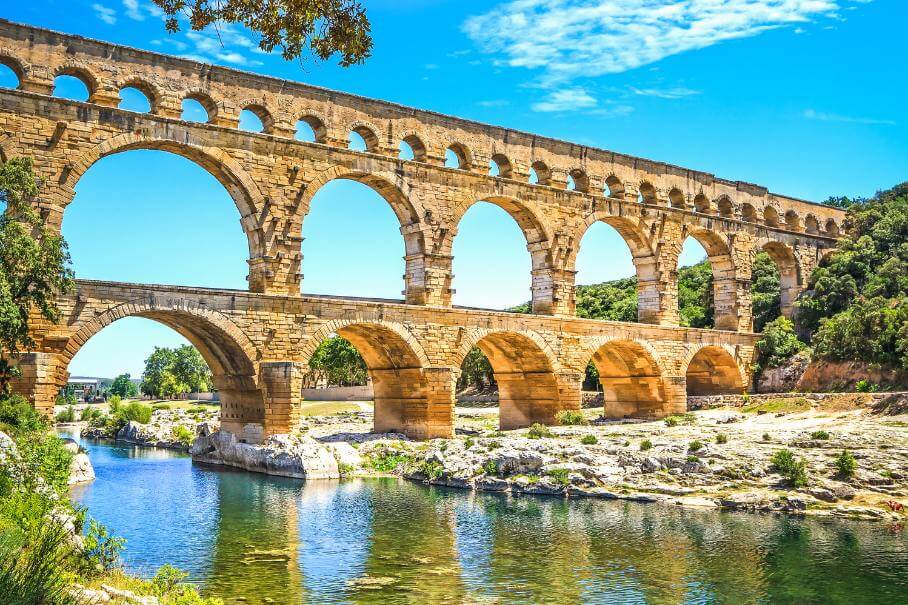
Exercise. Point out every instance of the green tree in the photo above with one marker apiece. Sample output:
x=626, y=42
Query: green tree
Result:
x=855, y=304
x=476, y=371
x=325, y=27
x=695, y=295
x=34, y=264
x=123, y=387
x=615, y=300
x=777, y=343
x=339, y=363
x=766, y=291
x=190, y=369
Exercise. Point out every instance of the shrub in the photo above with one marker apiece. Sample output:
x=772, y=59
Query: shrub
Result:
x=561, y=476
x=494, y=444
x=18, y=414
x=845, y=465
x=388, y=461
x=570, y=418
x=821, y=435
x=777, y=343
x=160, y=406
x=197, y=409
x=490, y=467
x=67, y=415
x=695, y=446
x=676, y=419
x=693, y=459
x=183, y=434
x=90, y=414
x=35, y=571
x=671, y=421
x=646, y=444
x=865, y=386
x=794, y=471
x=432, y=469
x=538, y=431
x=114, y=402
x=721, y=438
x=766, y=437
x=138, y=412
x=589, y=440
x=101, y=550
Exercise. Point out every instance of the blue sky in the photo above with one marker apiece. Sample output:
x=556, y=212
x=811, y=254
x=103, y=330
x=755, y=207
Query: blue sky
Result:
x=806, y=97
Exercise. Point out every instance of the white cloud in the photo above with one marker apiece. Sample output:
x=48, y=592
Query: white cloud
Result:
x=494, y=103
x=225, y=44
x=105, y=14
x=677, y=92
x=132, y=10
x=812, y=114
x=571, y=39
x=566, y=99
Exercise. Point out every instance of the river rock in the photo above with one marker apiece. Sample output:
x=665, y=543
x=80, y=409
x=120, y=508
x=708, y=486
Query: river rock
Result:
x=80, y=469
x=345, y=454
x=512, y=462
x=70, y=446
x=135, y=433
x=282, y=455
x=7, y=446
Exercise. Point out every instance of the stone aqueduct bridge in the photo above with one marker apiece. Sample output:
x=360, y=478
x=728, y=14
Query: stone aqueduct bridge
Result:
x=258, y=342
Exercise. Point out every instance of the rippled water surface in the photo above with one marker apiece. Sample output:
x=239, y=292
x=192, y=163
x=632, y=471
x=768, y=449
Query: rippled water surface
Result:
x=255, y=539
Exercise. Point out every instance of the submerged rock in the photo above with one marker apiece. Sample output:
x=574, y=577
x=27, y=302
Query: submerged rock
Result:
x=282, y=455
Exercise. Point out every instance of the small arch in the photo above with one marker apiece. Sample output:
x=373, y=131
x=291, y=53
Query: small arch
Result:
x=614, y=188
x=701, y=204
x=500, y=166
x=74, y=84
x=771, y=216
x=789, y=274
x=832, y=228
x=579, y=179
x=647, y=193
x=712, y=370
x=811, y=224
x=457, y=156
x=15, y=72
x=199, y=107
x=133, y=99
x=540, y=174
x=418, y=152
x=792, y=220
x=748, y=213
x=311, y=129
x=363, y=138
x=631, y=378
x=255, y=118
x=524, y=369
x=676, y=198
x=726, y=207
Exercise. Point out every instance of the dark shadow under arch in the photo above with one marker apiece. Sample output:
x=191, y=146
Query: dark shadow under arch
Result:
x=631, y=379
x=713, y=371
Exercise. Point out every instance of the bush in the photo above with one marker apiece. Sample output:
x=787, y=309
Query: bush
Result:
x=676, y=419
x=90, y=414
x=19, y=415
x=183, y=434
x=695, y=446
x=570, y=418
x=646, y=444
x=67, y=415
x=778, y=343
x=160, y=406
x=101, y=550
x=490, y=467
x=35, y=571
x=865, y=386
x=845, y=465
x=538, y=431
x=137, y=412
x=767, y=437
x=561, y=476
x=389, y=461
x=794, y=471
x=114, y=402
x=671, y=421
x=589, y=440
x=821, y=435
x=721, y=438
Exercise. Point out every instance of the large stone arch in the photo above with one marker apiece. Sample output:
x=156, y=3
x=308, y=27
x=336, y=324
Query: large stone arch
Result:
x=636, y=235
x=231, y=355
x=397, y=367
x=632, y=376
x=525, y=368
x=713, y=370
x=228, y=172
x=721, y=261
x=789, y=273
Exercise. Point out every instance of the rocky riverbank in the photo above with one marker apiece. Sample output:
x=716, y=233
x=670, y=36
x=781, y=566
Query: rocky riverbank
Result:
x=718, y=457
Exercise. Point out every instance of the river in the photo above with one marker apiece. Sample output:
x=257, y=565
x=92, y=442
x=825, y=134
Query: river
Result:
x=255, y=539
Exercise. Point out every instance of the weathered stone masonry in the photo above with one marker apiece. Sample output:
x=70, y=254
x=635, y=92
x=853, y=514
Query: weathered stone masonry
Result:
x=257, y=342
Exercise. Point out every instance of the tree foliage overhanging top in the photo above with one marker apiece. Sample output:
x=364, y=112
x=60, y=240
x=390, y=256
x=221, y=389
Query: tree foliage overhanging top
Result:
x=34, y=261
x=326, y=27
x=856, y=303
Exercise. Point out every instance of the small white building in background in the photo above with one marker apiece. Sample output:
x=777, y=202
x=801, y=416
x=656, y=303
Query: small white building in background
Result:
x=84, y=386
